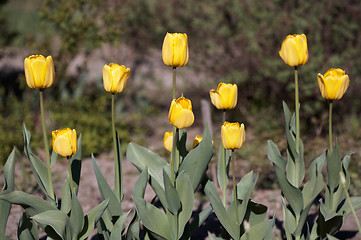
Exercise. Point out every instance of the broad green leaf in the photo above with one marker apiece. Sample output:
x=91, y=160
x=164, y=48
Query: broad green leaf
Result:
x=197, y=222
x=141, y=184
x=27, y=229
x=58, y=221
x=256, y=213
x=329, y=226
x=223, y=167
x=246, y=185
x=75, y=163
x=65, y=197
x=153, y=218
x=220, y=211
x=292, y=194
x=92, y=218
x=33, y=205
x=345, y=208
x=289, y=219
x=76, y=216
x=186, y=196
x=133, y=228
x=275, y=156
x=171, y=195
x=118, y=180
x=53, y=158
x=196, y=162
x=106, y=192
x=333, y=168
x=143, y=158
x=8, y=186
x=118, y=227
x=260, y=231
x=38, y=167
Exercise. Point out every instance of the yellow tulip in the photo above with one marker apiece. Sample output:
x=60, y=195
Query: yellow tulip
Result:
x=168, y=141
x=39, y=71
x=65, y=142
x=115, y=77
x=175, y=51
x=225, y=97
x=333, y=84
x=197, y=140
x=233, y=135
x=180, y=113
x=294, y=50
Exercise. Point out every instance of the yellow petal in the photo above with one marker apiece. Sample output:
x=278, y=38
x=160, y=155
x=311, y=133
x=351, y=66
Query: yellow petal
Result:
x=38, y=66
x=168, y=141
x=107, y=78
x=29, y=73
x=216, y=99
x=167, y=50
x=62, y=146
x=50, y=72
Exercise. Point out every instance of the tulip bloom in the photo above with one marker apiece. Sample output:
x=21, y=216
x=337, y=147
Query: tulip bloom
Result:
x=168, y=141
x=65, y=142
x=225, y=97
x=115, y=77
x=175, y=51
x=233, y=135
x=197, y=140
x=333, y=84
x=39, y=71
x=180, y=113
x=294, y=50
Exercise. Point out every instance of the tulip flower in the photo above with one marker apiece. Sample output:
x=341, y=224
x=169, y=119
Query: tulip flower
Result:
x=39, y=71
x=197, y=140
x=168, y=141
x=233, y=135
x=65, y=142
x=115, y=77
x=225, y=97
x=294, y=50
x=333, y=84
x=175, y=51
x=180, y=113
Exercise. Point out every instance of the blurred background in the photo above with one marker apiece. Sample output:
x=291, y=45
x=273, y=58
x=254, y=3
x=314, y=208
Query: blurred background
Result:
x=230, y=41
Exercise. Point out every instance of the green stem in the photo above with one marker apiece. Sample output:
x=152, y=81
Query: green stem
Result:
x=173, y=158
x=224, y=199
x=343, y=181
x=297, y=112
x=174, y=81
x=177, y=151
x=117, y=184
x=330, y=125
x=70, y=175
x=46, y=145
x=234, y=186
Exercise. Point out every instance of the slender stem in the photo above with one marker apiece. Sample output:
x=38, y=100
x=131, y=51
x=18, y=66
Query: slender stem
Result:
x=70, y=175
x=343, y=181
x=46, y=146
x=174, y=81
x=224, y=199
x=330, y=125
x=117, y=166
x=297, y=112
x=234, y=185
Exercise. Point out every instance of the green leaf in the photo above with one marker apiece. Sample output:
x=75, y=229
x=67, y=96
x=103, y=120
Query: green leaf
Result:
x=186, y=196
x=256, y=213
x=27, y=229
x=153, y=218
x=143, y=158
x=171, y=195
x=334, y=168
x=92, y=218
x=58, y=221
x=106, y=192
x=75, y=163
x=8, y=186
x=220, y=211
x=141, y=184
x=260, y=231
x=196, y=162
x=118, y=180
x=345, y=208
x=133, y=228
x=38, y=167
x=76, y=216
x=223, y=167
x=116, y=233
x=289, y=219
x=197, y=222
x=275, y=156
x=65, y=197
x=53, y=158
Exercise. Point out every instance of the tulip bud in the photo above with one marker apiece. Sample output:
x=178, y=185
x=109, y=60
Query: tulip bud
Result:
x=65, y=142
x=168, y=141
x=225, y=97
x=333, y=84
x=115, y=77
x=294, y=50
x=175, y=51
x=180, y=113
x=197, y=140
x=39, y=71
x=233, y=135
